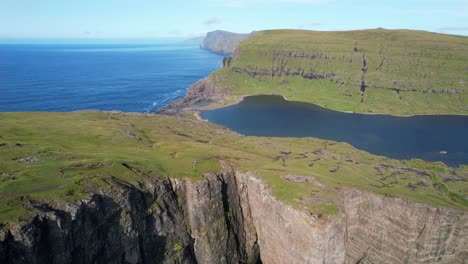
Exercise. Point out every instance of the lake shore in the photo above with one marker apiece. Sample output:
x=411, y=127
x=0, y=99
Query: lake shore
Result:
x=214, y=105
x=275, y=116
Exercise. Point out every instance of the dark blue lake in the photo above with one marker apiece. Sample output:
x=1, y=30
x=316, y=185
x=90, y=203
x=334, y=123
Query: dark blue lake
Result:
x=423, y=137
x=125, y=77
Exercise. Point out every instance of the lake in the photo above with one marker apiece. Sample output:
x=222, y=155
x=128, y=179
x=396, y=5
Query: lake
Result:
x=424, y=137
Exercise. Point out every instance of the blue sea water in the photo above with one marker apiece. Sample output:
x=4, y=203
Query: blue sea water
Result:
x=125, y=77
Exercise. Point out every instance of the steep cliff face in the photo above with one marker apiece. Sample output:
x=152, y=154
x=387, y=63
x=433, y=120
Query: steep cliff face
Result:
x=368, y=229
x=232, y=218
x=168, y=221
x=220, y=231
x=388, y=230
x=124, y=225
x=222, y=42
x=288, y=235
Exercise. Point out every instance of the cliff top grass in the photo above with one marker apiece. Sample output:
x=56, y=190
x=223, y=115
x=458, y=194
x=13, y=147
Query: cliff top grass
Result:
x=65, y=157
x=397, y=72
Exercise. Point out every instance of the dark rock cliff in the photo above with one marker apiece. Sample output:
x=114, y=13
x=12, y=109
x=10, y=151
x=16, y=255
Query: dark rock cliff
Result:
x=124, y=225
x=167, y=221
x=232, y=218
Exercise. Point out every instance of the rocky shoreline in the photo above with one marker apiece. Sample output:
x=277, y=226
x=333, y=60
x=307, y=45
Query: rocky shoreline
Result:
x=199, y=94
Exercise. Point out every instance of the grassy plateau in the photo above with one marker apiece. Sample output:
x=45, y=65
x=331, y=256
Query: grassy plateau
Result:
x=397, y=72
x=63, y=157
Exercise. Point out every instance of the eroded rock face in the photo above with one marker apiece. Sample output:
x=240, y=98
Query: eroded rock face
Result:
x=124, y=225
x=287, y=235
x=388, y=230
x=368, y=229
x=221, y=233
x=166, y=221
x=232, y=218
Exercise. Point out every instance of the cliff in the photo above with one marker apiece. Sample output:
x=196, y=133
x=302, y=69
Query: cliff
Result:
x=222, y=42
x=163, y=221
x=110, y=187
x=368, y=229
x=231, y=218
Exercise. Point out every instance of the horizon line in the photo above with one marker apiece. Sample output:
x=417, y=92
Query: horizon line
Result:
x=182, y=38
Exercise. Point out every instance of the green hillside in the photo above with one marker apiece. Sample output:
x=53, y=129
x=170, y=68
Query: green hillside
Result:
x=64, y=157
x=399, y=72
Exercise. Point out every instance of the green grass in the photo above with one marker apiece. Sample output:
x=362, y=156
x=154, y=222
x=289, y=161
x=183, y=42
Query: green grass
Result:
x=415, y=62
x=85, y=152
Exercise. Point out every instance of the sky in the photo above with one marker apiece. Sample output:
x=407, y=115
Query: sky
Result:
x=151, y=19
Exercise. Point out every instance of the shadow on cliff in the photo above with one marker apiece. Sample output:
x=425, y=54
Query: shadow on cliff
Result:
x=102, y=231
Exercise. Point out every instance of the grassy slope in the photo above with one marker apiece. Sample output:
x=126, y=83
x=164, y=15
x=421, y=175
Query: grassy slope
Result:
x=85, y=151
x=415, y=62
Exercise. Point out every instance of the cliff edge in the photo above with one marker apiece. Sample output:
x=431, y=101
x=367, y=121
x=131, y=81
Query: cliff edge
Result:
x=232, y=218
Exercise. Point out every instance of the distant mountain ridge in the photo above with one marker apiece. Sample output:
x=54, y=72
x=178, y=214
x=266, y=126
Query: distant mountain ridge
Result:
x=222, y=42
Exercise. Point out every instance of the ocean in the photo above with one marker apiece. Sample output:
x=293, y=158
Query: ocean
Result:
x=124, y=77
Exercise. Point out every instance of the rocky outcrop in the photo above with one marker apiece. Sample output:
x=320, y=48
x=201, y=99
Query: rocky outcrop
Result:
x=231, y=218
x=227, y=62
x=200, y=93
x=222, y=42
